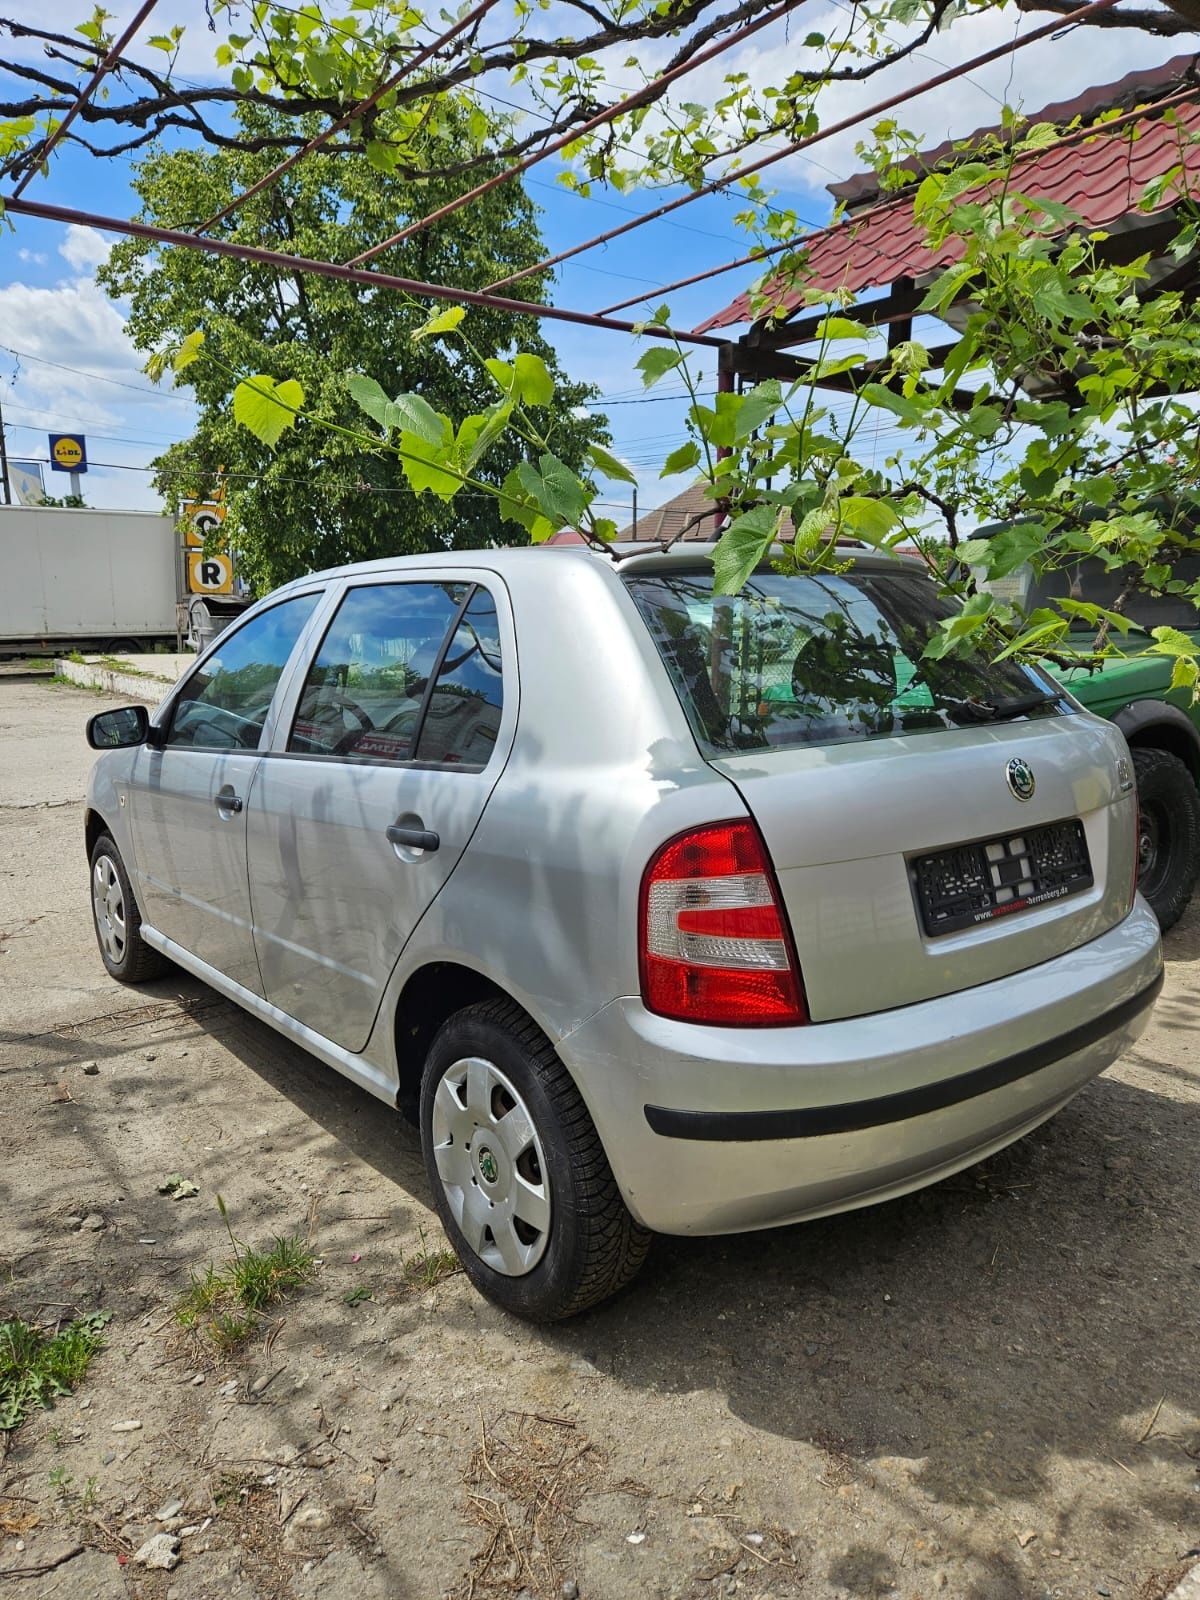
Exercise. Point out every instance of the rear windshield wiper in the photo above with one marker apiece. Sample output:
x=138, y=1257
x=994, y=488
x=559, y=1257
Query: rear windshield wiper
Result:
x=1018, y=704
x=1015, y=705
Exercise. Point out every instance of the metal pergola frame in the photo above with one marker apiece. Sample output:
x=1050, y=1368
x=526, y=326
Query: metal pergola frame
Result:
x=763, y=352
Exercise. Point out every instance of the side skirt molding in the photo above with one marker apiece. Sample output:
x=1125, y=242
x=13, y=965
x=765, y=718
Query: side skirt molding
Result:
x=358, y=1070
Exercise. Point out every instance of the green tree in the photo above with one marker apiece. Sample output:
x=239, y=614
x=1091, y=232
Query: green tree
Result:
x=318, y=498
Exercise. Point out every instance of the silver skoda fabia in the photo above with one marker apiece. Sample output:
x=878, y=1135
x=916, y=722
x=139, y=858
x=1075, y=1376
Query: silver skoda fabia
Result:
x=660, y=910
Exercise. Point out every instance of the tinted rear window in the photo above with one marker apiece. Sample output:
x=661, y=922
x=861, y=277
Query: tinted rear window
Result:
x=820, y=660
x=1092, y=582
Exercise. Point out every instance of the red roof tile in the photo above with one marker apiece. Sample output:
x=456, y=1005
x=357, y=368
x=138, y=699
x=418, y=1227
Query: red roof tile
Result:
x=1101, y=179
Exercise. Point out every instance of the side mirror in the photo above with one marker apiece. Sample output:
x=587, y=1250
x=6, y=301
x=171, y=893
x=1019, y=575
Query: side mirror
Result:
x=114, y=730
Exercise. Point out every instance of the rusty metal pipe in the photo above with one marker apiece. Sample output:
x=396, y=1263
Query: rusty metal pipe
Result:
x=85, y=94
x=630, y=103
x=333, y=269
x=811, y=139
x=355, y=111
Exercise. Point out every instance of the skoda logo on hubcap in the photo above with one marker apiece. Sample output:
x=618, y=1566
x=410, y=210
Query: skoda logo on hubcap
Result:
x=488, y=1170
x=1020, y=778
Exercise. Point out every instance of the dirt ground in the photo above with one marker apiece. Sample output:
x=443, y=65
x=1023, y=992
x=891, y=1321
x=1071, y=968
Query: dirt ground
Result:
x=987, y=1390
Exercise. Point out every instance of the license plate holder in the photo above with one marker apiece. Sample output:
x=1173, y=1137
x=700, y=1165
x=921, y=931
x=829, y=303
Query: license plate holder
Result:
x=970, y=885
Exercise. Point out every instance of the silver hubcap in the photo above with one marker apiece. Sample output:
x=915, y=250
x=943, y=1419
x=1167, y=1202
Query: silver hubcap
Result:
x=492, y=1166
x=108, y=903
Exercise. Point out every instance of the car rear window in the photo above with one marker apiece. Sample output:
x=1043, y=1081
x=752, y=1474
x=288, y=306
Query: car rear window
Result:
x=822, y=659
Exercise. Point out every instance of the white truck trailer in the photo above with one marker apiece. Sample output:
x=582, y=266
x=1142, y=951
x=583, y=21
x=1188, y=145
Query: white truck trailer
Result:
x=112, y=581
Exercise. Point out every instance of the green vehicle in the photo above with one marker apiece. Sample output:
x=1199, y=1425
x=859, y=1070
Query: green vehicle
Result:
x=1161, y=725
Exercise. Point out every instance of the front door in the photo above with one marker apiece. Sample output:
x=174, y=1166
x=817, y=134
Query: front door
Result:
x=189, y=795
x=360, y=815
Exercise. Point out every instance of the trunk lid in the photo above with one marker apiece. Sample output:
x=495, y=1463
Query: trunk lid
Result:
x=845, y=824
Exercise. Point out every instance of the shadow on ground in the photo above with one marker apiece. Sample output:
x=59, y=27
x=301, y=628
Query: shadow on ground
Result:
x=1034, y=1307
x=1037, y=1307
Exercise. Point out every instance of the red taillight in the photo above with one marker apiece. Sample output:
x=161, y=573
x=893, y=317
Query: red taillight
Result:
x=713, y=942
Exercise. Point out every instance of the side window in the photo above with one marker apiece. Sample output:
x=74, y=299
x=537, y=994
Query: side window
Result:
x=463, y=718
x=364, y=692
x=224, y=705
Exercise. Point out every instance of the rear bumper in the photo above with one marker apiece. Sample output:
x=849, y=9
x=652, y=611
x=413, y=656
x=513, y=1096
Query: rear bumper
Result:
x=715, y=1130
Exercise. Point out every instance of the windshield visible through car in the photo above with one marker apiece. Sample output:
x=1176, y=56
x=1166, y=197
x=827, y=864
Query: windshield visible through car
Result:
x=823, y=658
x=1090, y=581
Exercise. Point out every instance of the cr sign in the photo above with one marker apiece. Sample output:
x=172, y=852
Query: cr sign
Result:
x=201, y=519
x=209, y=574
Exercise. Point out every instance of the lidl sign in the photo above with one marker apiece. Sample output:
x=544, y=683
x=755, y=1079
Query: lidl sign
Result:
x=68, y=452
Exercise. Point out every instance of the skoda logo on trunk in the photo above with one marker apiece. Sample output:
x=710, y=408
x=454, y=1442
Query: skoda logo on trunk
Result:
x=1020, y=778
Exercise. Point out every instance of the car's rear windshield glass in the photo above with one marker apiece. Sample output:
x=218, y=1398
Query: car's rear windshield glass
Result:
x=821, y=659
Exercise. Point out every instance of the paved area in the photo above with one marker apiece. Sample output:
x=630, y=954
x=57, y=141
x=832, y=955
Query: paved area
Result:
x=988, y=1390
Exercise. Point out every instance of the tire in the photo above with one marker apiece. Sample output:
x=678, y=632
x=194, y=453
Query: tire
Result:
x=1169, y=834
x=531, y=1208
x=117, y=920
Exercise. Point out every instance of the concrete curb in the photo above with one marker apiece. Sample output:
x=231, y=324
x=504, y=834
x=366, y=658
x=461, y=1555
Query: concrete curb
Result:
x=1189, y=1589
x=133, y=685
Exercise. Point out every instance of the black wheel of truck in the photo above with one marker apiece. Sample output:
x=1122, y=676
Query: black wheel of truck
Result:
x=1169, y=833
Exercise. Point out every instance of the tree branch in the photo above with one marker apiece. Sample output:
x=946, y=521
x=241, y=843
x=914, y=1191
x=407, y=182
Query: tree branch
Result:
x=1183, y=16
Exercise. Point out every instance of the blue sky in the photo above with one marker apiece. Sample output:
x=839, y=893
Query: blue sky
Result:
x=66, y=364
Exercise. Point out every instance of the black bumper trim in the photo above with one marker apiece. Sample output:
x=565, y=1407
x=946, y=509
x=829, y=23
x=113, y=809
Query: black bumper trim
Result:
x=808, y=1122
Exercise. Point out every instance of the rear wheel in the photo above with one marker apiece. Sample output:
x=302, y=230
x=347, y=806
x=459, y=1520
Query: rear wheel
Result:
x=118, y=921
x=1168, y=835
x=519, y=1175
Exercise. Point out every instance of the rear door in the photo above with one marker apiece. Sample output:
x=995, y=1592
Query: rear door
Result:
x=377, y=780
x=189, y=796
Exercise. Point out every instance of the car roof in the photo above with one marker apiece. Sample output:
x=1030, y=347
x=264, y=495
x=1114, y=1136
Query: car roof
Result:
x=640, y=557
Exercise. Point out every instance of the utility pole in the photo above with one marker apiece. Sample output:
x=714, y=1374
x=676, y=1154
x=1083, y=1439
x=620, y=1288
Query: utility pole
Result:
x=4, y=462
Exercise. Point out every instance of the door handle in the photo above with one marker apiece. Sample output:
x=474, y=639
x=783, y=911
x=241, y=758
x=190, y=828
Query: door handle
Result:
x=413, y=838
x=226, y=800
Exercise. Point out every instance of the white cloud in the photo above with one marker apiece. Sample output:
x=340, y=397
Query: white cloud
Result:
x=74, y=368
x=84, y=248
x=31, y=257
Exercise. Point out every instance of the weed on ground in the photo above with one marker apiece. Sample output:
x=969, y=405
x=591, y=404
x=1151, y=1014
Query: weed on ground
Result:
x=226, y=1304
x=426, y=1268
x=36, y=1367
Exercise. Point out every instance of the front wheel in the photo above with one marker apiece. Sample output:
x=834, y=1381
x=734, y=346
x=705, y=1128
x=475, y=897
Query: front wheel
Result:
x=117, y=920
x=1168, y=835
x=519, y=1176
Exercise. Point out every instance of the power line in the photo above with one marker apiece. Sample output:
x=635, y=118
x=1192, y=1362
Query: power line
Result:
x=163, y=441
x=82, y=372
x=361, y=488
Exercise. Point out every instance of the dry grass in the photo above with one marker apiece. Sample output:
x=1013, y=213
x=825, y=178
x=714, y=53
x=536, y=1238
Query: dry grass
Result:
x=250, y=1516
x=17, y=1515
x=524, y=1483
x=1161, y=1582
